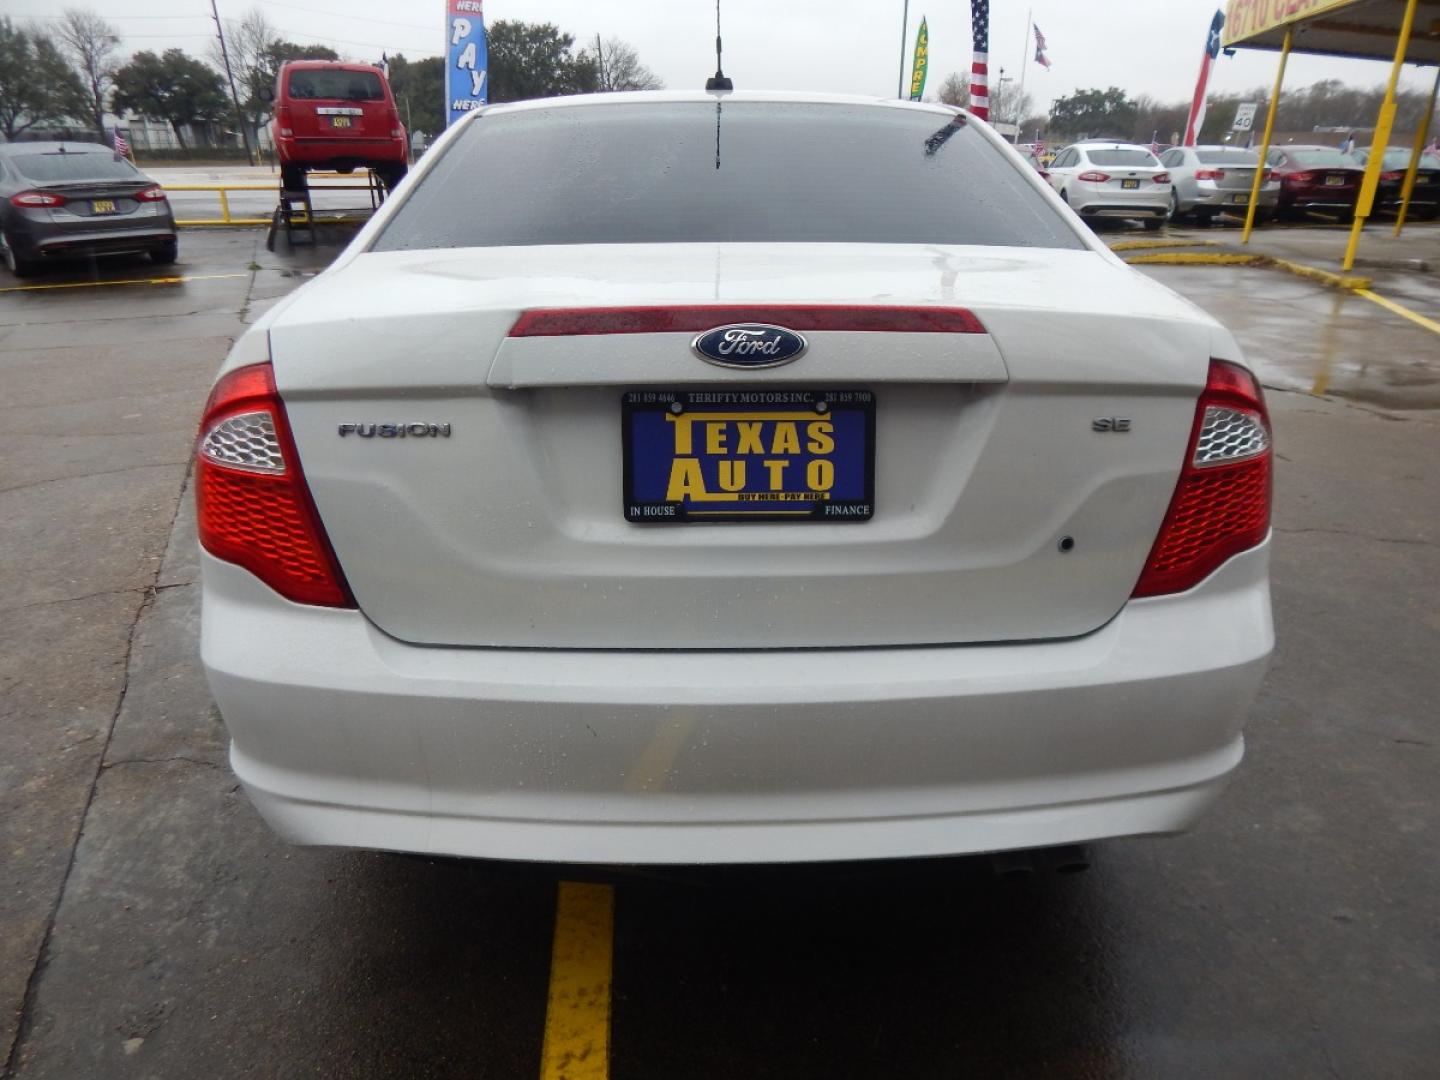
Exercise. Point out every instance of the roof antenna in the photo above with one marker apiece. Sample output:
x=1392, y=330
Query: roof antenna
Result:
x=718, y=81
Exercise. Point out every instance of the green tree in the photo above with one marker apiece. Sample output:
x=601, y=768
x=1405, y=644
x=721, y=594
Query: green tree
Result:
x=37, y=86
x=419, y=89
x=170, y=87
x=534, y=60
x=1094, y=112
x=90, y=42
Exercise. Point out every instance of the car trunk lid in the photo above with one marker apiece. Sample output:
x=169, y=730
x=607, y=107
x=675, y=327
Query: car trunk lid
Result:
x=477, y=495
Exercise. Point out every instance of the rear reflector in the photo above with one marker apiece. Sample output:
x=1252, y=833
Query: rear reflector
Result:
x=251, y=501
x=570, y=322
x=1221, y=504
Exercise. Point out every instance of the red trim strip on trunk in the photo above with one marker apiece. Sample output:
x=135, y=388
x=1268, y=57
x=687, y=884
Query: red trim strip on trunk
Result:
x=568, y=322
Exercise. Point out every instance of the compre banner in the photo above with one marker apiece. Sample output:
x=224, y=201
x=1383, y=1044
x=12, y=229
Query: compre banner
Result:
x=921, y=65
x=467, y=58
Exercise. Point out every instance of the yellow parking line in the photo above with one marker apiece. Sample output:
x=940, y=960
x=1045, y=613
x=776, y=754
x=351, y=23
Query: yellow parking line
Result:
x=577, y=1012
x=126, y=281
x=1400, y=309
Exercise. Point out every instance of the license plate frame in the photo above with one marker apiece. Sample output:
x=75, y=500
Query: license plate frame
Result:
x=652, y=447
x=101, y=207
x=1130, y=185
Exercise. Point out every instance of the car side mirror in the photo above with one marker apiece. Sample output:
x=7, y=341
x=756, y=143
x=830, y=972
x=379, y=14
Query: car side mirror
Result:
x=266, y=94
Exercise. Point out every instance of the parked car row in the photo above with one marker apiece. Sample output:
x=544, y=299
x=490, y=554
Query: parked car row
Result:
x=1197, y=183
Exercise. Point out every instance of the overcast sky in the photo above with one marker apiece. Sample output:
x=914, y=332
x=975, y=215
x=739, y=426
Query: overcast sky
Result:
x=850, y=46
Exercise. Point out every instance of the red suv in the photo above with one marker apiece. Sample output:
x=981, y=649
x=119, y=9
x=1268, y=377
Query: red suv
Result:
x=336, y=116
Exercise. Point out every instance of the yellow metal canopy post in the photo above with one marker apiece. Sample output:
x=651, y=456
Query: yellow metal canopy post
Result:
x=1383, y=124
x=1422, y=132
x=1260, y=171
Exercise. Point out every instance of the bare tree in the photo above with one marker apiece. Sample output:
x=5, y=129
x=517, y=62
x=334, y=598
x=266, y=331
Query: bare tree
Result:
x=619, y=68
x=90, y=43
x=250, y=42
x=955, y=90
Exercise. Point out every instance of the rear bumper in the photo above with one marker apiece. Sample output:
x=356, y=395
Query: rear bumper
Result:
x=1221, y=199
x=320, y=151
x=343, y=736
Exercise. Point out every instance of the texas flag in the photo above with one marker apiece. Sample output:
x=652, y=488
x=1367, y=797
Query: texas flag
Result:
x=1197, y=104
x=1040, y=57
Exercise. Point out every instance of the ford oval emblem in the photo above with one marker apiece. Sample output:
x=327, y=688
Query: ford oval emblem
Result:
x=749, y=345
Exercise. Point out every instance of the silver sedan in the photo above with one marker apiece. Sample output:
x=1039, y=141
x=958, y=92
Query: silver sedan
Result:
x=1207, y=180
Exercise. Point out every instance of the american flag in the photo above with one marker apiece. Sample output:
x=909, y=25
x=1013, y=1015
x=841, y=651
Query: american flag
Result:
x=980, y=62
x=122, y=147
x=1040, y=46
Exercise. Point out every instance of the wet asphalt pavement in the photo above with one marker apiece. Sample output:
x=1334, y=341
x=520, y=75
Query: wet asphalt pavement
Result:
x=1296, y=932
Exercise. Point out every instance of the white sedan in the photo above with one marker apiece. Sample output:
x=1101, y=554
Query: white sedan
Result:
x=683, y=478
x=1117, y=180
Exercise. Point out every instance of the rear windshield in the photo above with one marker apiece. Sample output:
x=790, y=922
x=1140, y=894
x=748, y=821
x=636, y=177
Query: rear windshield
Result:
x=1138, y=158
x=676, y=172
x=1227, y=157
x=1323, y=159
x=1400, y=159
x=336, y=84
x=53, y=166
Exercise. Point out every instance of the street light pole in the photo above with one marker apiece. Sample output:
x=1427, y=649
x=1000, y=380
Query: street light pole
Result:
x=230, y=75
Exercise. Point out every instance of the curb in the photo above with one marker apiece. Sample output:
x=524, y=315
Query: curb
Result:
x=1201, y=258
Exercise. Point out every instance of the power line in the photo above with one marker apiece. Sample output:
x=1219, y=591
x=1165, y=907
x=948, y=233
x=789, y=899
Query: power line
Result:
x=348, y=16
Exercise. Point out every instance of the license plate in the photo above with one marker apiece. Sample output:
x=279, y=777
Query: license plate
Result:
x=339, y=121
x=1240, y=200
x=1334, y=181
x=1129, y=185
x=749, y=455
x=102, y=206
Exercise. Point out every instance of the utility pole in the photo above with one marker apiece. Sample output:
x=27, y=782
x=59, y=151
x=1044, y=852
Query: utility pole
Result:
x=904, y=27
x=230, y=75
x=600, y=63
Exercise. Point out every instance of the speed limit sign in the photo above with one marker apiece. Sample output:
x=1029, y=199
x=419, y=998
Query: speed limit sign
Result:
x=1244, y=116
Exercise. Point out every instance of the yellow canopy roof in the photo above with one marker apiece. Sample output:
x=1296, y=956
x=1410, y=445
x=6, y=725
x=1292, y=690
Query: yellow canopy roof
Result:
x=1365, y=28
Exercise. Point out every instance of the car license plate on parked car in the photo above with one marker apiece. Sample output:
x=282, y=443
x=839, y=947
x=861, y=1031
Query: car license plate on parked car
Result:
x=339, y=121
x=749, y=455
x=102, y=206
x=1334, y=181
x=1129, y=185
x=1240, y=200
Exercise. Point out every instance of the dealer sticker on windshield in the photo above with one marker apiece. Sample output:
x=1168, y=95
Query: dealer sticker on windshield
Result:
x=749, y=455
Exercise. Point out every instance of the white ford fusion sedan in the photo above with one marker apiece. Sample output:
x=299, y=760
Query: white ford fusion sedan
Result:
x=683, y=478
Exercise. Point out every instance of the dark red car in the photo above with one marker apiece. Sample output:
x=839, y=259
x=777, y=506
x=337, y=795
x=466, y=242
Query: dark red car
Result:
x=1316, y=178
x=336, y=116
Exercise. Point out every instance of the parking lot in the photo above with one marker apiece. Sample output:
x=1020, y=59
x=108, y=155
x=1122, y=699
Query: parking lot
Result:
x=151, y=925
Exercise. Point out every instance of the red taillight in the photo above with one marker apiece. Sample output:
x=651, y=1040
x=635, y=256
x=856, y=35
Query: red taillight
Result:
x=573, y=322
x=1303, y=177
x=1209, y=174
x=1221, y=504
x=1392, y=176
x=1161, y=178
x=1269, y=175
x=253, y=507
x=37, y=198
x=1094, y=177
x=154, y=193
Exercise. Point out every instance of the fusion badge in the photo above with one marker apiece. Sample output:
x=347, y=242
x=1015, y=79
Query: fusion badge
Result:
x=749, y=345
